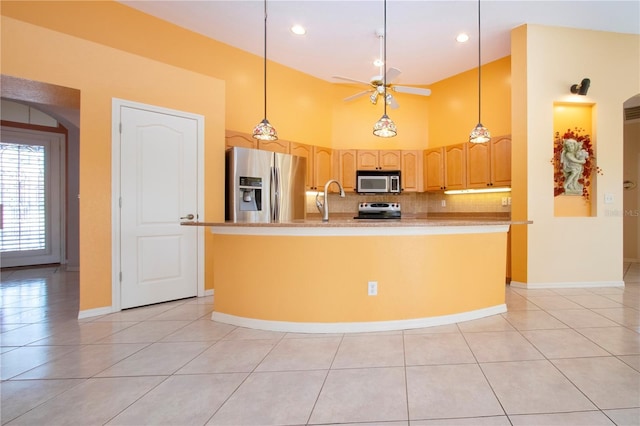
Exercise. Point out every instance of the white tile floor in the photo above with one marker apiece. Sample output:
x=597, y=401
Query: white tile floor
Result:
x=557, y=357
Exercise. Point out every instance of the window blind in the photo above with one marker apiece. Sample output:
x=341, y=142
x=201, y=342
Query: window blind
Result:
x=22, y=186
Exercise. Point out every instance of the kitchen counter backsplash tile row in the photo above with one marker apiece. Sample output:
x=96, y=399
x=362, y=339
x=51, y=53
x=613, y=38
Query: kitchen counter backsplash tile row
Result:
x=418, y=203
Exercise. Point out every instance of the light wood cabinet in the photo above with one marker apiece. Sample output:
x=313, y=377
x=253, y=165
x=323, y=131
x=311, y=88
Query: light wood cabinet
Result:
x=243, y=140
x=344, y=168
x=489, y=164
x=501, y=161
x=378, y=160
x=411, y=169
x=322, y=162
x=318, y=163
x=278, y=145
x=445, y=168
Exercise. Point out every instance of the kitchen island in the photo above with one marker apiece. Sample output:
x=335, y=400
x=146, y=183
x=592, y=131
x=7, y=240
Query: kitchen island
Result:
x=351, y=275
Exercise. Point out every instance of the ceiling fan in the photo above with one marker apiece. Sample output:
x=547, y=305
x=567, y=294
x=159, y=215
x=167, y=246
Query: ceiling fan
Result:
x=376, y=83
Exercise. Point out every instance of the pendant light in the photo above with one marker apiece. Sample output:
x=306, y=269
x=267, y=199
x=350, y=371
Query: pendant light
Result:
x=385, y=127
x=480, y=134
x=264, y=130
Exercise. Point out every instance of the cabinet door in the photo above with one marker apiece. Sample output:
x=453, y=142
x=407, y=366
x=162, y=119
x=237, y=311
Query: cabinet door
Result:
x=455, y=166
x=305, y=151
x=345, y=168
x=478, y=165
x=278, y=145
x=433, y=169
x=501, y=161
x=411, y=171
x=389, y=160
x=367, y=160
x=321, y=166
x=243, y=140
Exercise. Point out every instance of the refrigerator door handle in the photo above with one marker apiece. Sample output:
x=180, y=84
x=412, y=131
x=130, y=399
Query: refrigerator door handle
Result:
x=275, y=194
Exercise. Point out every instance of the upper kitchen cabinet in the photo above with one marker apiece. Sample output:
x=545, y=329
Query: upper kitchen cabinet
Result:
x=489, y=164
x=318, y=164
x=501, y=161
x=378, y=160
x=322, y=162
x=344, y=168
x=278, y=145
x=445, y=168
x=411, y=178
x=243, y=140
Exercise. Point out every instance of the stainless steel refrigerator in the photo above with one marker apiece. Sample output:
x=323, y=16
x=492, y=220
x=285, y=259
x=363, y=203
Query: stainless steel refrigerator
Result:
x=264, y=186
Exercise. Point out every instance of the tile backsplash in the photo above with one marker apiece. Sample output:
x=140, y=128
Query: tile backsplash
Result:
x=420, y=202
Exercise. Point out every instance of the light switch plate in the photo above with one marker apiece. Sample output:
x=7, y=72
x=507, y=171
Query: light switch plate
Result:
x=608, y=198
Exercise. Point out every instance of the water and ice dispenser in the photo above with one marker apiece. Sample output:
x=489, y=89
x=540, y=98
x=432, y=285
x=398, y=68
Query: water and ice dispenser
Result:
x=250, y=193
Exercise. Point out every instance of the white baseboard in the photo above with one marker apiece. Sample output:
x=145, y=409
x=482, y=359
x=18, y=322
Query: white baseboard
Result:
x=577, y=284
x=95, y=312
x=355, y=327
x=208, y=292
x=630, y=260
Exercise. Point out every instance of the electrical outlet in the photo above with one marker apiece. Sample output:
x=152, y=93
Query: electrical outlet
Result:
x=608, y=198
x=508, y=201
x=443, y=203
x=372, y=288
x=504, y=201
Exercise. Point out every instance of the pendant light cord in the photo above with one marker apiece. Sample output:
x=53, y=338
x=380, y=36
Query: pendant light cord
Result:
x=265, y=59
x=479, y=64
x=385, y=58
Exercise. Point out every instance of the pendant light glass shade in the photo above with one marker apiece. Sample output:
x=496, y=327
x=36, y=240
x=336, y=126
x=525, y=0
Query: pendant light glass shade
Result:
x=264, y=131
x=385, y=127
x=480, y=134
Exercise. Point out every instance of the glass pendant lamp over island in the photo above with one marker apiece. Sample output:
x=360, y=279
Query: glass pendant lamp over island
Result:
x=385, y=127
x=480, y=134
x=264, y=130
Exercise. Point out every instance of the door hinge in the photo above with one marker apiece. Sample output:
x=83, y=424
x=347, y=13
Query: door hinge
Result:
x=120, y=128
x=120, y=277
x=120, y=202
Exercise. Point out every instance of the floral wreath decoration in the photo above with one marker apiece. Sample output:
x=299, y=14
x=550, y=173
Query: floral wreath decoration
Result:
x=589, y=166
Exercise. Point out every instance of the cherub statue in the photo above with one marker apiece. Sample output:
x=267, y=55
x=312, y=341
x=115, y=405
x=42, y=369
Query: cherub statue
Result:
x=573, y=159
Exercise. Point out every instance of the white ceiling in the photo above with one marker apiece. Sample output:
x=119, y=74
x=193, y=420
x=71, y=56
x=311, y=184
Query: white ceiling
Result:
x=341, y=37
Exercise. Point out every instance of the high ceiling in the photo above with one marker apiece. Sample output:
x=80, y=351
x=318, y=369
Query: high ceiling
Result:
x=341, y=36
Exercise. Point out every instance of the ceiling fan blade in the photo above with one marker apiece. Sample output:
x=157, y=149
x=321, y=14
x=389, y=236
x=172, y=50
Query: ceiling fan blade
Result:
x=392, y=74
x=357, y=95
x=366, y=83
x=411, y=90
x=391, y=101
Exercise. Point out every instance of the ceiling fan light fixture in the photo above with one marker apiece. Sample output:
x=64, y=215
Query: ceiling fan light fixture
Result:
x=264, y=130
x=385, y=127
x=374, y=98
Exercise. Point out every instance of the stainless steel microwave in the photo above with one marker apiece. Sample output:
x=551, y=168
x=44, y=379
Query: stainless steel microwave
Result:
x=378, y=181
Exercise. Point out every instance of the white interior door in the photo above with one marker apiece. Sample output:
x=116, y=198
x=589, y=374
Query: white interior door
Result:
x=158, y=188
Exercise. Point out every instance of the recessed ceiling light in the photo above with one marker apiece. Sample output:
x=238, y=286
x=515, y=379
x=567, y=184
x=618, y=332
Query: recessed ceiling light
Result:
x=298, y=30
x=462, y=37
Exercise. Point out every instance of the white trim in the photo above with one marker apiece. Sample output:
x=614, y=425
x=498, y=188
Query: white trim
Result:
x=89, y=313
x=578, y=284
x=208, y=292
x=630, y=260
x=317, y=229
x=355, y=327
x=116, y=105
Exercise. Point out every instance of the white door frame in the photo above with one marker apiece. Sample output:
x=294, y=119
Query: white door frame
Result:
x=116, y=105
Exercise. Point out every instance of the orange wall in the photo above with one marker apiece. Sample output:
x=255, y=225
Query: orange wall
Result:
x=453, y=104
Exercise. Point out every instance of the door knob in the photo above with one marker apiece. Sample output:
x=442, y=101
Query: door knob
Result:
x=188, y=217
